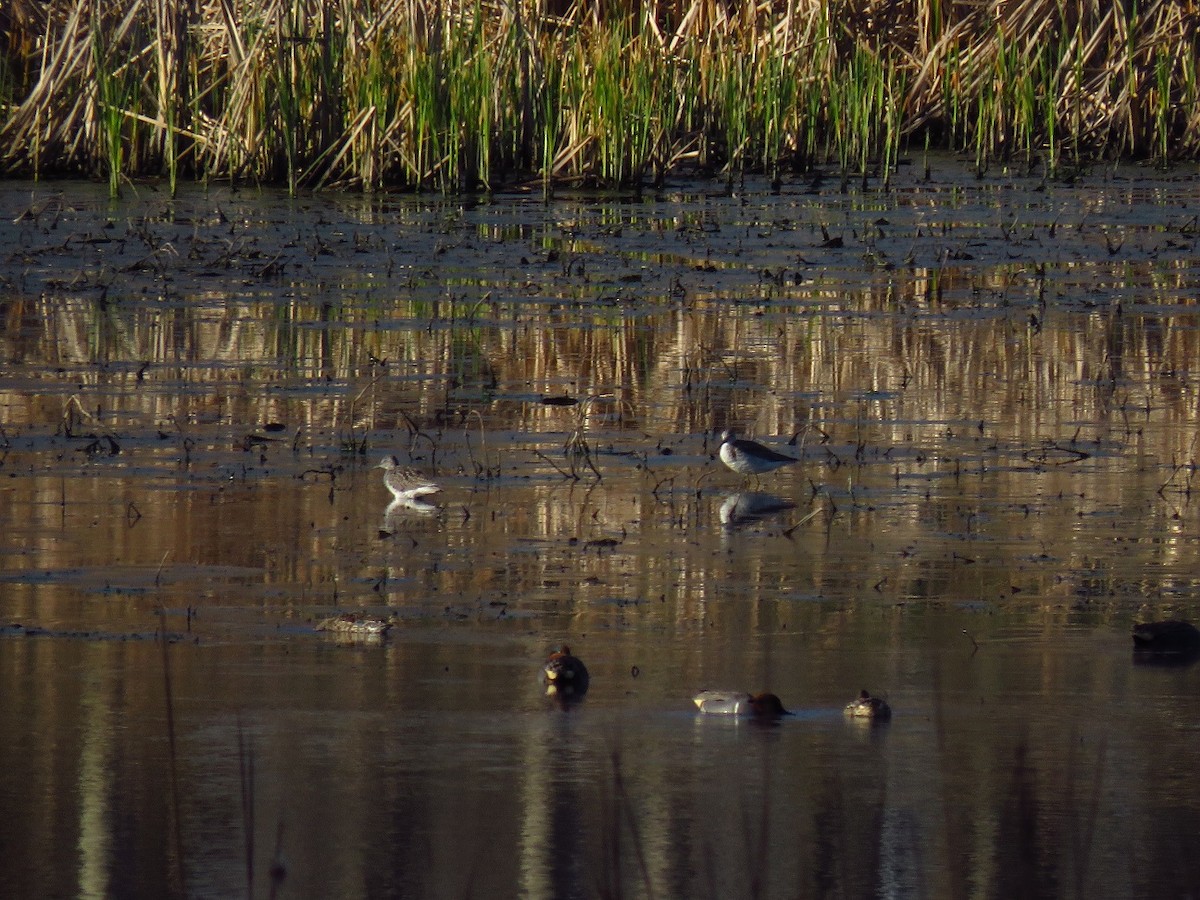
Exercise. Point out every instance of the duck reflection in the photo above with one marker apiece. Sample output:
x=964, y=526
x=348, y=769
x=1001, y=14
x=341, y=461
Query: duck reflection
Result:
x=749, y=506
x=555, y=831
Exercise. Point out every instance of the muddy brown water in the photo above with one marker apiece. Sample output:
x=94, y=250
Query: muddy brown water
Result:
x=990, y=383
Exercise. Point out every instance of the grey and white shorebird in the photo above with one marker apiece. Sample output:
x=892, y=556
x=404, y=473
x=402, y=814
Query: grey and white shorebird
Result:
x=750, y=458
x=405, y=484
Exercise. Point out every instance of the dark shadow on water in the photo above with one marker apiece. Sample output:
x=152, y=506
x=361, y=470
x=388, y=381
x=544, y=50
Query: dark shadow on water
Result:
x=1166, y=659
x=1022, y=866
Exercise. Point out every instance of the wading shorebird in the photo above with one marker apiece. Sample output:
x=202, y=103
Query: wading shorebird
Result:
x=405, y=484
x=750, y=458
x=734, y=703
x=864, y=706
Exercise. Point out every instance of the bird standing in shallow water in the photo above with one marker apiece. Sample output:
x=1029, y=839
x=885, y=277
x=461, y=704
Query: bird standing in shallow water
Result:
x=405, y=484
x=750, y=457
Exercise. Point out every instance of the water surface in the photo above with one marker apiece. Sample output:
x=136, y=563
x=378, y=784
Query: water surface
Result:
x=989, y=384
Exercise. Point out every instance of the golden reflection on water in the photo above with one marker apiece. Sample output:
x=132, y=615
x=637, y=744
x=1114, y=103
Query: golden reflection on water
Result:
x=997, y=428
x=95, y=787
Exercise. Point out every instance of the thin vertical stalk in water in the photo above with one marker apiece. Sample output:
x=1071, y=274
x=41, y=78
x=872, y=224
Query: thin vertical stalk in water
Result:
x=179, y=869
x=612, y=831
x=246, y=777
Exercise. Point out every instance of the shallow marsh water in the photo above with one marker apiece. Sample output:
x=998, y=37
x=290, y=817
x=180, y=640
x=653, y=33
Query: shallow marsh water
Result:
x=990, y=384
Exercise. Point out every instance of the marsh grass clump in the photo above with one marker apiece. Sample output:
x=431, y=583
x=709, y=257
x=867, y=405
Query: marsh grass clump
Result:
x=468, y=95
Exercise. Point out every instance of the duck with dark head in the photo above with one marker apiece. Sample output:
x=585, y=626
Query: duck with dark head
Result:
x=1170, y=642
x=565, y=675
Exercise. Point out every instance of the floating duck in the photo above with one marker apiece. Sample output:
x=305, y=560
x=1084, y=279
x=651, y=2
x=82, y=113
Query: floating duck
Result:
x=1170, y=636
x=564, y=673
x=352, y=625
x=405, y=484
x=750, y=457
x=734, y=703
x=864, y=706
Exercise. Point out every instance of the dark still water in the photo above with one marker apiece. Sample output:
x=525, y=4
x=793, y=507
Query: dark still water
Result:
x=989, y=385
x=432, y=766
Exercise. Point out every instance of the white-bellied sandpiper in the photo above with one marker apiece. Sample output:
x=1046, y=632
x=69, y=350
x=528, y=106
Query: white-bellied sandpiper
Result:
x=405, y=484
x=750, y=458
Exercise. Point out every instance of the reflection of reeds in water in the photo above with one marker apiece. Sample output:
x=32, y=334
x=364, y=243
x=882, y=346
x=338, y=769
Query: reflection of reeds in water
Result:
x=879, y=364
x=464, y=95
x=687, y=361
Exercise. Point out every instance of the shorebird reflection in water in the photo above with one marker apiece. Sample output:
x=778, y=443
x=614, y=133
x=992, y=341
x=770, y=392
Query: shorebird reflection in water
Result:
x=750, y=458
x=750, y=506
x=405, y=484
x=400, y=511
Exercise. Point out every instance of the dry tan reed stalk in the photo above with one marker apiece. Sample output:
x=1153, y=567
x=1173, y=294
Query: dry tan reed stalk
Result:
x=328, y=91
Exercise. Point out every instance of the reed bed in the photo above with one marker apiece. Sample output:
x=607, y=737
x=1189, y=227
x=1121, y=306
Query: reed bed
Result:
x=465, y=95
